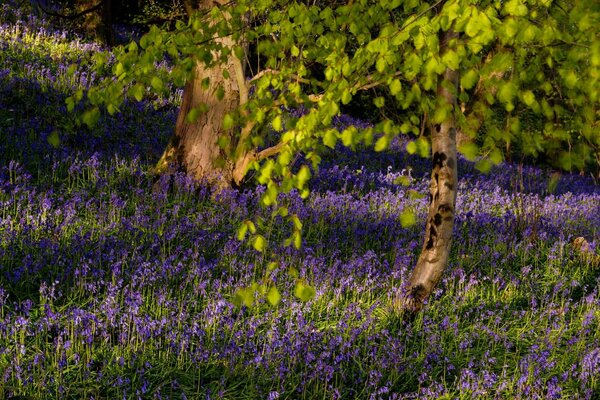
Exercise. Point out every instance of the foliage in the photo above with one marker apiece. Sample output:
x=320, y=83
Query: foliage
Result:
x=109, y=289
x=538, y=58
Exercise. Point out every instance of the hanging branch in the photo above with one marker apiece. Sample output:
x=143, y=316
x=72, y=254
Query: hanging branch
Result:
x=73, y=16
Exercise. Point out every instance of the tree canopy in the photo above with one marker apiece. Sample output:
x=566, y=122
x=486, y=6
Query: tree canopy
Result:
x=520, y=63
x=525, y=79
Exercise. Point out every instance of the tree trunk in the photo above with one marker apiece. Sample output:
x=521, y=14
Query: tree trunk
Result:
x=194, y=147
x=98, y=19
x=442, y=200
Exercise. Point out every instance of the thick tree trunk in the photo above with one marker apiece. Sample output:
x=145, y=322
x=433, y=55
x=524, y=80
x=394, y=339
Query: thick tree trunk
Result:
x=194, y=147
x=442, y=200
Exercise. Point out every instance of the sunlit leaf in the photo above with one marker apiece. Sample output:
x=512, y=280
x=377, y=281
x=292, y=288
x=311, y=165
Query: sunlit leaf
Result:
x=273, y=296
x=243, y=297
x=91, y=117
x=470, y=150
x=407, y=218
x=304, y=291
x=382, y=143
x=157, y=83
x=259, y=243
x=241, y=232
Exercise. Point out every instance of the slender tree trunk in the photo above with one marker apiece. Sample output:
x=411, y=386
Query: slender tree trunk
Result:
x=194, y=147
x=442, y=200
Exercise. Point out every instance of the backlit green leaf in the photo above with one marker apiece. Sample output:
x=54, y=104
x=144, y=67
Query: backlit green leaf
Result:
x=243, y=297
x=193, y=115
x=228, y=121
x=156, y=83
x=137, y=91
x=382, y=143
x=304, y=291
x=470, y=150
x=241, y=232
x=273, y=296
x=90, y=117
x=259, y=243
x=469, y=79
x=277, y=123
x=407, y=218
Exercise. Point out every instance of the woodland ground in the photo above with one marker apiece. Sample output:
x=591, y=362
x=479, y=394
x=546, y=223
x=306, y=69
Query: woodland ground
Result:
x=109, y=289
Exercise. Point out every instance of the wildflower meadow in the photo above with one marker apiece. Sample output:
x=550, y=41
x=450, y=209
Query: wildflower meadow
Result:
x=118, y=284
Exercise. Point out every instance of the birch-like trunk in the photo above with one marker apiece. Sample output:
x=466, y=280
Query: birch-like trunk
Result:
x=442, y=200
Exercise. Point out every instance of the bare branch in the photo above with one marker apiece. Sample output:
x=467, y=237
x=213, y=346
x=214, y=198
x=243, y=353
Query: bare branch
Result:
x=270, y=151
x=74, y=16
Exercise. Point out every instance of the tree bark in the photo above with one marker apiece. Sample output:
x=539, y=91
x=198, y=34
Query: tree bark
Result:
x=194, y=147
x=442, y=200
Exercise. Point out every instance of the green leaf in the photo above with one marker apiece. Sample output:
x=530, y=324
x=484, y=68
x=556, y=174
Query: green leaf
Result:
x=220, y=93
x=330, y=138
x=205, y=83
x=293, y=272
x=469, y=150
x=297, y=239
x=407, y=218
x=228, y=122
x=395, y=87
x=243, y=297
x=469, y=79
x=423, y=147
x=346, y=96
x=70, y=102
x=119, y=70
x=507, y=92
x=156, y=83
x=516, y=8
x=402, y=180
x=273, y=296
x=473, y=24
x=193, y=115
x=241, y=232
x=303, y=291
x=528, y=97
x=484, y=165
x=411, y=147
x=71, y=70
x=137, y=91
x=276, y=123
x=296, y=221
x=380, y=65
x=111, y=108
x=450, y=58
x=259, y=243
x=90, y=117
x=303, y=175
x=414, y=195
x=382, y=143
x=54, y=139
x=239, y=52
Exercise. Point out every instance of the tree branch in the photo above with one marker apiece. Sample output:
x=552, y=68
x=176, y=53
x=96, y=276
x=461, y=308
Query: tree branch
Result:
x=74, y=16
x=276, y=72
x=270, y=151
